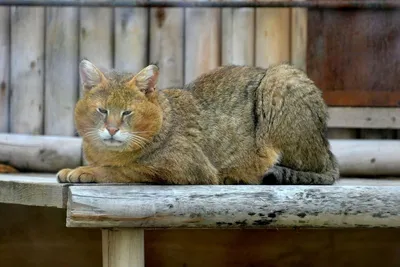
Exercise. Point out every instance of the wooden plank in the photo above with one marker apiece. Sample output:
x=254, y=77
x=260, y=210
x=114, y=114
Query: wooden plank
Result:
x=4, y=68
x=340, y=133
x=364, y=117
x=201, y=41
x=238, y=36
x=272, y=36
x=131, y=32
x=61, y=81
x=298, y=31
x=40, y=153
x=377, y=134
x=233, y=206
x=96, y=43
x=27, y=67
x=353, y=56
x=166, y=45
x=123, y=247
x=32, y=190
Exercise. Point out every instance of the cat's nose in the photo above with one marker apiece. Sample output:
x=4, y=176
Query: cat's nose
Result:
x=112, y=130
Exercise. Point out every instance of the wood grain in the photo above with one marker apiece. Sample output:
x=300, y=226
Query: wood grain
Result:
x=61, y=79
x=166, y=45
x=27, y=68
x=233, y=206
x=32, y=190
x=298, y=44
x=201, y=41
x=353, y=56
x=238, y=36
x=131, y=32
x=4, y=68
x=272, y=36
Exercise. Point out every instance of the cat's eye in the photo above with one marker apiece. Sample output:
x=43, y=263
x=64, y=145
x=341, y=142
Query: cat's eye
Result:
x=101, y=110
x=126, y=113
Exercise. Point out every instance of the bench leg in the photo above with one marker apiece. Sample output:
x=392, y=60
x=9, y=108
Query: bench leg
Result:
x=123, y=247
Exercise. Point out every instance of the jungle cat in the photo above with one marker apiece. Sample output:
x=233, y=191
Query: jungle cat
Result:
x=232, y=125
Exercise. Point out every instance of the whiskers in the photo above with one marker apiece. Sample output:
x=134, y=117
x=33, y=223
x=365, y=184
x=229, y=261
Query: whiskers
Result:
x=136, y=139
x=92, y=135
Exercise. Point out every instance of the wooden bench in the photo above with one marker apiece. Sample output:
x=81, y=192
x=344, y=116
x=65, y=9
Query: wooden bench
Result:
x=124, y=211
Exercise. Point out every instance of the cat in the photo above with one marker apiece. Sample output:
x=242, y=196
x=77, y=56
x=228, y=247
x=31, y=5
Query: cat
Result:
x=231, y=125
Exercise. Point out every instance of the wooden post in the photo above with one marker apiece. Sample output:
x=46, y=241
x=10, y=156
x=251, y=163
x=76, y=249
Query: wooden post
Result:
x=298, y=50
x=123, y=247
x=4, y=67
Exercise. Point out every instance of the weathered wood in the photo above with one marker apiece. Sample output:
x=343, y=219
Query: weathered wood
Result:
x=238, y=36
x=201, y=41
x=367, y=157
x=51, y=153
x=123, y=247
x=131, y=31
x=166, y=45
x=298, y=52
x=61, y=79
x=4, y=68
x=27, y=67
x=32, y=190
x=233, y=206
x=40, y=153
x=364, y=117
x=96, y=36
x=272, y=36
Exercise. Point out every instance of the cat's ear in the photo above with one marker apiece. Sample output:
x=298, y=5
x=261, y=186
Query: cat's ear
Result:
x=146, y=79
x=90, y=75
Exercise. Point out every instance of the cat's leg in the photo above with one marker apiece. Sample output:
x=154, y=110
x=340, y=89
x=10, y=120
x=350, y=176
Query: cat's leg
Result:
x=105, y=174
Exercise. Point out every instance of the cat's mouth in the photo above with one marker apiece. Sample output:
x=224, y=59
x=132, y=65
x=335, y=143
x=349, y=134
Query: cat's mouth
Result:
x=112, y=142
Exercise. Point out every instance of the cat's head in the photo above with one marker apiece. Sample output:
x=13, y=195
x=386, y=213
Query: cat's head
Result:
x=118, y=111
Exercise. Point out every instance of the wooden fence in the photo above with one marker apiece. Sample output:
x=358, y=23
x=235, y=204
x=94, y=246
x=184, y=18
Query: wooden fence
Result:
x=40, y=48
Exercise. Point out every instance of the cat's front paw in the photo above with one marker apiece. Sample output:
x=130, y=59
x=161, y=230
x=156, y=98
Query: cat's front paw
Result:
x=79, y=175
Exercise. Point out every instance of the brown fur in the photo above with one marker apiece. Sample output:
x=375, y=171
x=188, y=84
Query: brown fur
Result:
x=235, y=124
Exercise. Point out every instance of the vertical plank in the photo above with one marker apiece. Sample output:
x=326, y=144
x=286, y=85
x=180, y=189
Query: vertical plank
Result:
x=4, y=67
x=272, y=36
x=238, y=36
x=96, y=42
x=131, y=31
x=123, y=247
x=27, y=83
x=166, y=45
x=201, y=41
x=340, y=133
x=298, y=49
x=61, y=91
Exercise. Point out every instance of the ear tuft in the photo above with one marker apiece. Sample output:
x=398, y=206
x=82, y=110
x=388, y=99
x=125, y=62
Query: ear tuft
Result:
x=146, y=79
x=90, y=75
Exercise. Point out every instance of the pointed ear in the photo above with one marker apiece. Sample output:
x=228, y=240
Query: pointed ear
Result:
x=146, y=79
x=90, y=75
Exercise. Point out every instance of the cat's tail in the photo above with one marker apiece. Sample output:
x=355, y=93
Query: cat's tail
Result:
x=285, y=176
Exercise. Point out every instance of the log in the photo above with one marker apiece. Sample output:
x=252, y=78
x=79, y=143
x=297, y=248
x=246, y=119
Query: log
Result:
x=241, y=206
x=40, y=153
x=4, y=68
x=131, y=33
x=166, y=45
x=123, y=247
x=61, y=79
x=27, y=70
x=52, y=153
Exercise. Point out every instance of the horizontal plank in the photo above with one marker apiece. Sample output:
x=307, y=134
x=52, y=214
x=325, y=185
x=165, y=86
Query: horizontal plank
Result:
x=144, y=206
x=369, y=4
x=364, y=117
x=32, y=190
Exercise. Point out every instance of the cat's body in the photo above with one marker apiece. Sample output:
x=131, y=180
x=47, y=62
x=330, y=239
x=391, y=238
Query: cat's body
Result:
x=232, y=125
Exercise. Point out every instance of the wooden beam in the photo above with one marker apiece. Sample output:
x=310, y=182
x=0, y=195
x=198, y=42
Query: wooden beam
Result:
x=123, y=247
x=32, y=190
x=376, y=118
x=145, y=206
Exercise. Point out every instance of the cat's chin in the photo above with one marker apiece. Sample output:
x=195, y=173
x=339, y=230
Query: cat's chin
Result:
x=113, y=143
